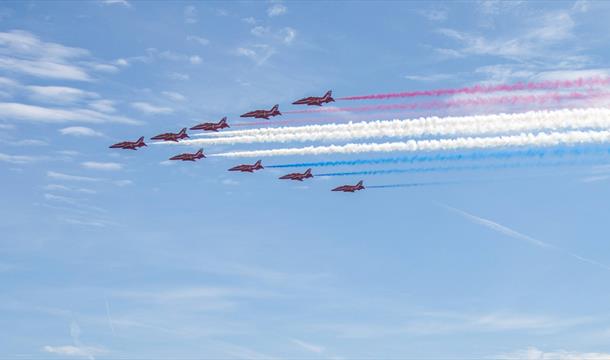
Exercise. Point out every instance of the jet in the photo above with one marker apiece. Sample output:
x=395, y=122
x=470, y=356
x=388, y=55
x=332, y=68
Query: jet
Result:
x=248, y=168
x=316, y=100
x=129, y=145
x=350, y=188
x=298, y=176
x=212, y=126
x=171, y=136
x=263, y=114
x=188, y=156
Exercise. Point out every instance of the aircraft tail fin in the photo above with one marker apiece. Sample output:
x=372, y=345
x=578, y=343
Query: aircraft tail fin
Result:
x=200, y=152
x=141, y=141
x=258, y=165
x=308, y=171
x=328, y=94
x=223, y=120
x=276, y=109
x=360, y=183
x=183, y=131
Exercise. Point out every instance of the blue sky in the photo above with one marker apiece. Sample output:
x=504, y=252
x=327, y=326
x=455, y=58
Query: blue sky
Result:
x=113, y=254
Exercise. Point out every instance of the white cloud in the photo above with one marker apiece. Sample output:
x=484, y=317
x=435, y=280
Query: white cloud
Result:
x=533, y=353
x=116, y=2
x=287, y=35
x=308, y=346
x=59, y=94
x=198, y=39
x=105, y=166
x=7, y=126
x=151, y=109
x=230, y=182
x=80, y=131
x=174, y=95
x=17, y=159
x=434, y=14
x=276, y=9
x=106, y=106
x=257, y=53
x=195, y=59
x=69, y=350
x=26, y=142
x=178, y=76
x=190, y=14
x=23, y=52
x=430, y=78
x=249, y=20
x=259, y=30
x=66, y=177
x=122, y=183
x=35, y=113
x=57, y=187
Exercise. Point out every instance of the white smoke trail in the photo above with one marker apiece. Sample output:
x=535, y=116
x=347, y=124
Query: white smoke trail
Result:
x=576, y=119
x=464, y=143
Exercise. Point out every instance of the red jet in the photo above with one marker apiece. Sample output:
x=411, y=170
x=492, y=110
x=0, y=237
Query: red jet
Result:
x=188, y=156
x=212, y=126
x=316, y=100
x=129, y=145
x=248, y=168
x=350, y=188
x=298, y=176
x=171, y=136
x=263, y=114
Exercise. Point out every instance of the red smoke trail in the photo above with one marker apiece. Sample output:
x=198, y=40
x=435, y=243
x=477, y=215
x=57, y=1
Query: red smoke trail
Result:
x=486, y=89
x=479, y=101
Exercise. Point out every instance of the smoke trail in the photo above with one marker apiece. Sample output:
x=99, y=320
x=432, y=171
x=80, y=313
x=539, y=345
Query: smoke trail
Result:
x=486, y=89
x=456, y=168
x=593, y=118
x=477, y=101
x=501, y=155
x=528, y=139
x=391, y=186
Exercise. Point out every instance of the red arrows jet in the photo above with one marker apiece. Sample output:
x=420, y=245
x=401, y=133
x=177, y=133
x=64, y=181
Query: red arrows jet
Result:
x=263, y=114
x=171, y=136
x=188, y=156
x=212, y=126
x=248, y=168
x=350, y=188
x=298, y=176
x=316, y=100
x=129, y=145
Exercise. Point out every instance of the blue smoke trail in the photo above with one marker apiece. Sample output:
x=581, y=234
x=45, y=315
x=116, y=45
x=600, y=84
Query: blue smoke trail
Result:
x=501, y=155
x=458, y=168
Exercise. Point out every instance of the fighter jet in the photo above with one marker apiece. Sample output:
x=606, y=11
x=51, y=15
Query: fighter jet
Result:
x=316, y=100
x=298, y=176
x=350, y=188
x=248, y=168
x=171, y=136
x=129, y=145
x=212, y=126
x=188, y=156
x=263, y=114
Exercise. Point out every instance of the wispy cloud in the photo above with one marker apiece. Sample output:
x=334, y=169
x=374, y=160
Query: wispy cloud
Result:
x=533, y=353
x=259, y=53
x=172, y=95
x=17, y=159
x=59, y=94
x=77, y=351
x=198, y=39
x=106, y=166
x=23, y=52
x=276, y=9
x=190, y=15
x=33, y=113
x=67, y=177
x=151, y=109
x=80, y=131
x=317, y=349
x=116, y=2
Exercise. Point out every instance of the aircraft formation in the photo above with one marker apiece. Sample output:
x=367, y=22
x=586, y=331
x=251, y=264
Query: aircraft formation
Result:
x=222, y=124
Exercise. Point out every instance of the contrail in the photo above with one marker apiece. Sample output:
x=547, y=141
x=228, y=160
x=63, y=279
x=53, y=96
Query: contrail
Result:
x=502, y=155
x=464, y=143
x=476, y=101
x=486, y=89
x=517, y=235
x=577, y=119
x=108, y=316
